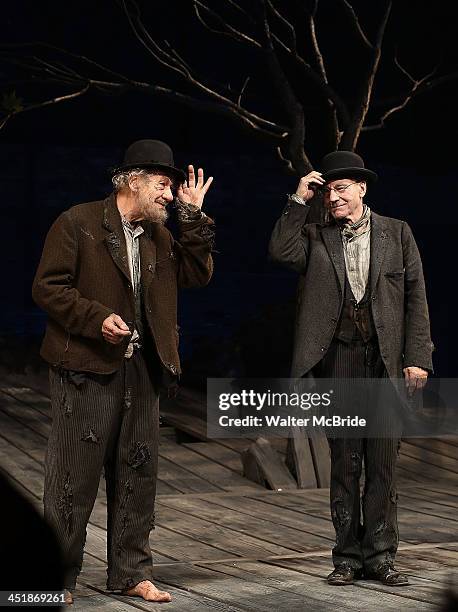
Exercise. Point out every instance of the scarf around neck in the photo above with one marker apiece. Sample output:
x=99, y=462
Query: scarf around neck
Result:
x=350, y=230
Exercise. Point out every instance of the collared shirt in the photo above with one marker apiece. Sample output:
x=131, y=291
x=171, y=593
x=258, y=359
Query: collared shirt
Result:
x=357, y=254
x=132, y=234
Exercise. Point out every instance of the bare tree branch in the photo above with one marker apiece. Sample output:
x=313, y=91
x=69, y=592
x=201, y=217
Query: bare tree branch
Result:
x=355, y=22
x=350, y=137
x=416, y=85
x=229, y=31
x=271, y=33
x=286, y=162
x=241, y=10
x=239, y=99
x=146, y=40
x=218, y=104
x=43, y=104
x=322, y=70
x=285, y=93
x=82, y=58
x=289, y=26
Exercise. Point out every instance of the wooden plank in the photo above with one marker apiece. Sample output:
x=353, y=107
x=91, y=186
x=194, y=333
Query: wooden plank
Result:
x=432, y=560
x=239, y=594
x=453, y=440
x=420, y=592
x=430, y=508
x=228, y=541
x=219, y=454
x=425, y=471
x=297, y=500
x=93, y=577
x=436, y=445
x=413, y=526
x=23, y=437
x=278, y=515
x=265, y=529
x=29, y=396
x=315, y=593
x=166, y=545
x=405, y=476
x=29, y=472
x=431, y=496
x=270, y=466
x=430, y=457
x=21, y=467
x=25, y=414
x=198, y=429
x=446, y=491
x=182, y=479
x=197, y=465
x=299, y=459
x=15, y=424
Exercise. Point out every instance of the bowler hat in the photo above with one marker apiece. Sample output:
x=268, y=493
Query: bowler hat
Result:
x=150, y=154
x=345, y=164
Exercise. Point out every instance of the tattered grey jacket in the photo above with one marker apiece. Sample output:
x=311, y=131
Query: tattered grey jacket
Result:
x=397, y=289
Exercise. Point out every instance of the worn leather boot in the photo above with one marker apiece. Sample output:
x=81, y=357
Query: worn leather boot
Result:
x=343, y=574
x=389, y=575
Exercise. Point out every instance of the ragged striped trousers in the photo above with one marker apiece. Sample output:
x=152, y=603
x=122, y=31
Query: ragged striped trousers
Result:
x=366, y=526
x=111, y=423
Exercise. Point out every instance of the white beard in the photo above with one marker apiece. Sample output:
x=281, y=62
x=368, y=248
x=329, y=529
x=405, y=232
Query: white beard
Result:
x=152, y=211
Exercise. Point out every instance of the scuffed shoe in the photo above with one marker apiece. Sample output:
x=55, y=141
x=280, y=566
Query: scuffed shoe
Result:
x=342, y=575
x=387, y=574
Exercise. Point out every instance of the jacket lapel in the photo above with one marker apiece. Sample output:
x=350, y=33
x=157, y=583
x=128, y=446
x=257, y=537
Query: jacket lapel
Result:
x=379, y=243
x=115, y=240
x=333, y=243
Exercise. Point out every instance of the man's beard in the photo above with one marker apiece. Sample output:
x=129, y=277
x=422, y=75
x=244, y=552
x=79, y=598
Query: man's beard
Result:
x=153, y=211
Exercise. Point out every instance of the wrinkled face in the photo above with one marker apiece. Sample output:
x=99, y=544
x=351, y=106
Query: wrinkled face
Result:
x=153, y=192
x=344, y=198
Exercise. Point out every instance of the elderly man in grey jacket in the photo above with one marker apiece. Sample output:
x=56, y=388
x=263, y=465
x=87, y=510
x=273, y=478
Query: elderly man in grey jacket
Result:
x=362, y=313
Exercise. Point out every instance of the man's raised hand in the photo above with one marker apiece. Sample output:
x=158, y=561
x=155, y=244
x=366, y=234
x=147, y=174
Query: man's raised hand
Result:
x=194, y=192
x=303, y=189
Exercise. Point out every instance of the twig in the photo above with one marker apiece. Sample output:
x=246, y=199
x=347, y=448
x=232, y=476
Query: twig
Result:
x=355, y=21
x=43, y=104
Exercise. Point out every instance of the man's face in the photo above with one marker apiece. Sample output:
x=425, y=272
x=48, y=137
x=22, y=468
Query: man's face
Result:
x=344, y=198
x=153, y=193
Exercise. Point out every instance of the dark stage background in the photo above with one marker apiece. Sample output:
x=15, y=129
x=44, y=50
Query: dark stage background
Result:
x=242, y=322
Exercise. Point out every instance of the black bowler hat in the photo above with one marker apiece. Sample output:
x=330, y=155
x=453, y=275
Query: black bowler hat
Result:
x=345, y=164
x=150, y=154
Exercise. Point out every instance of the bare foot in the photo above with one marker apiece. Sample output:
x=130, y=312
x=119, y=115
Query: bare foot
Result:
x=148, y=592
x=68, y=597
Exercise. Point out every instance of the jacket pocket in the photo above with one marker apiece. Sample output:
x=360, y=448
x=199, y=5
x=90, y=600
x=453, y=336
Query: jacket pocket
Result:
x=395, y=274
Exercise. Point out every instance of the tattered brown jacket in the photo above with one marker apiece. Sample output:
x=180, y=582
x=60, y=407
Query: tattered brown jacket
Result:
x=83, y=277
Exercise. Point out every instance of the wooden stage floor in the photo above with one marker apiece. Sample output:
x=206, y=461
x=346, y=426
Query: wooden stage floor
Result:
x=224, y=543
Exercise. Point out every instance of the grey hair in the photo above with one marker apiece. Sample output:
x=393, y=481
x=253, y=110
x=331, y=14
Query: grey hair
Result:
x=121, y=179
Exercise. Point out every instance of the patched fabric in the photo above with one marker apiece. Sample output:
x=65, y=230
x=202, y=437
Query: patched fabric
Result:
x=188, y=212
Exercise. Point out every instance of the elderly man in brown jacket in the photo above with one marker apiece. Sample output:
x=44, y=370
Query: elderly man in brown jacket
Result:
x=108, y=279
x=362, y=313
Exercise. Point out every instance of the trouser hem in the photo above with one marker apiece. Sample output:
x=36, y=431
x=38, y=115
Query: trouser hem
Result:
x=127, y=583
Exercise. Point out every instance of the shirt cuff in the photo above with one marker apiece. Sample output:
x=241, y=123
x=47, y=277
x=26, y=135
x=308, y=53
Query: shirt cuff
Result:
x=295, y=198
x=188, y=212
